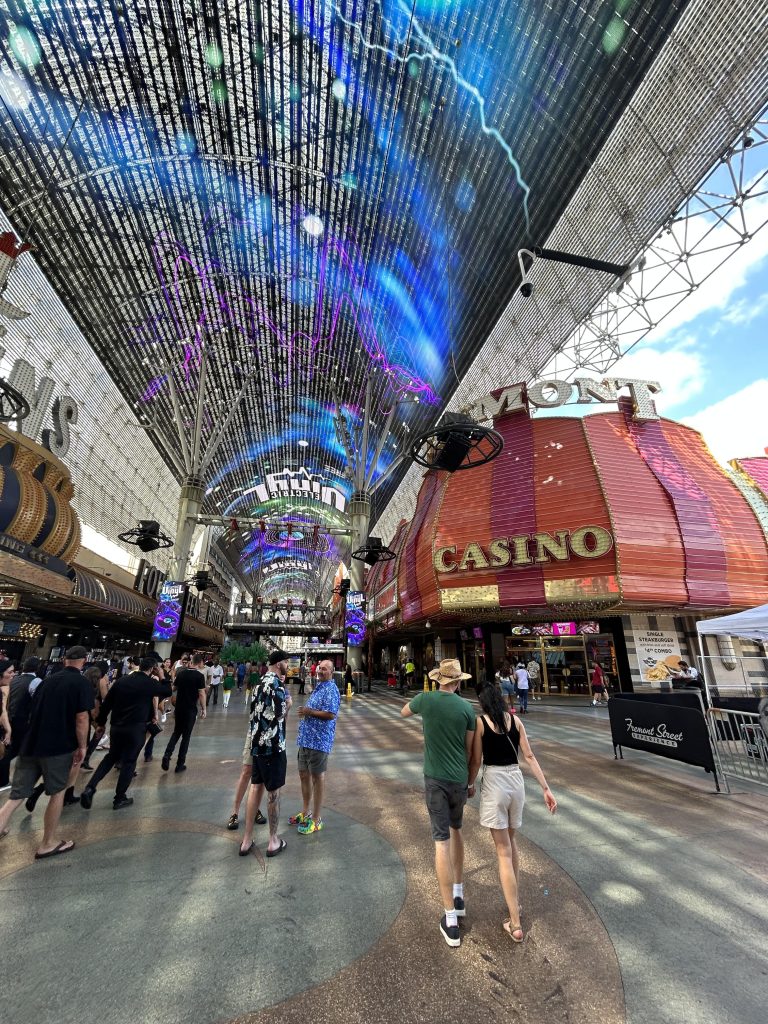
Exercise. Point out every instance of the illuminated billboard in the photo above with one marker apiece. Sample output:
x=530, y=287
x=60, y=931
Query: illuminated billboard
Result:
x=355, y=618
x=170, y=611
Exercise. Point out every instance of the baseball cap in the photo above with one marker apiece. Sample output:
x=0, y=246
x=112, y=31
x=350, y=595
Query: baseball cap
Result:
x=276, y=656
x=76, y=653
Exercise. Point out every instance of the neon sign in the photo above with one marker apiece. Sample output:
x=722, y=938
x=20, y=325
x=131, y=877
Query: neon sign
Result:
x=168, y=617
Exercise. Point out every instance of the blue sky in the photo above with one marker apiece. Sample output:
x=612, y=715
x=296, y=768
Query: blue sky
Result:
x=710, y=353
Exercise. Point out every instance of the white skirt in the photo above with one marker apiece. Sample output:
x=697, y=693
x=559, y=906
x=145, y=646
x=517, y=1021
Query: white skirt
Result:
x=502, y=796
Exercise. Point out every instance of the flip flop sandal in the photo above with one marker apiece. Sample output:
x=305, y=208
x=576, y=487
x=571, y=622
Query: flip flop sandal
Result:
x=233, y=822
x=63, y=847
x=244, y=853
x=279, y=850
x=511, y=931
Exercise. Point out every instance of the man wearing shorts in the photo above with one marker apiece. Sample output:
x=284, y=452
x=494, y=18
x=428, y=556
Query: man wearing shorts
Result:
x=55, y=742
x=269, y=706
x=316, y=734
x=449, y=727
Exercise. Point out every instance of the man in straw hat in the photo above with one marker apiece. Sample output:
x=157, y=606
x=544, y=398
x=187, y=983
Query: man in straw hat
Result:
x=449, y=726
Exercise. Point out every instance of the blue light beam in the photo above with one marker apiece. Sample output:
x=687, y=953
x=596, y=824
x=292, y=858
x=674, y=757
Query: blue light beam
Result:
x=441, y=59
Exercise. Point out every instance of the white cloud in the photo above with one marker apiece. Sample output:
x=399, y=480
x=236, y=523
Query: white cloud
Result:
x=737, y=426
x=679, y=370
x=746, y=310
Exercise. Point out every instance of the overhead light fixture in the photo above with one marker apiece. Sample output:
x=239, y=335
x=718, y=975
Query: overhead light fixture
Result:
x=373, y=551
x=303, y=444
x=147, y=536
x=313, y=225
x=456, y=443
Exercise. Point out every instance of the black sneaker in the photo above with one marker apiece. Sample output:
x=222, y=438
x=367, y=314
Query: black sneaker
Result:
x=450, y=932
x=85, y=767
x=125, y=801
x=180, y=768
x=86, y=797
x=165, y=764
x=458, y=906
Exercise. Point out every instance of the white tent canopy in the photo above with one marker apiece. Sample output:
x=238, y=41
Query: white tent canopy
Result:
x=752, y=623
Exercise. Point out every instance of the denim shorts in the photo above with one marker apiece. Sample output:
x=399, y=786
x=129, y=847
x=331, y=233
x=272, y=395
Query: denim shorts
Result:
x=445, y=803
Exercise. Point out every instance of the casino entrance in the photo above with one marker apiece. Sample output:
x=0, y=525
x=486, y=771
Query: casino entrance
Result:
x=566, y=661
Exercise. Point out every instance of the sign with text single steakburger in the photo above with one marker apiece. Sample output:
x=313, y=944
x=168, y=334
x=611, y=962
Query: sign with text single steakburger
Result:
x=658, y=653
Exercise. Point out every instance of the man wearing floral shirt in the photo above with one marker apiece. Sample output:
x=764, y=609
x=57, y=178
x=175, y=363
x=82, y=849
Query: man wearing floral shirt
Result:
x=269, y=706
x=315, y=737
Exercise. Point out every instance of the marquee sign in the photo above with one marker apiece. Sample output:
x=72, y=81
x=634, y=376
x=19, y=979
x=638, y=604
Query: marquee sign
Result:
x=299, y=484
x=553, y=393
x=64, y=409
x=525, y=549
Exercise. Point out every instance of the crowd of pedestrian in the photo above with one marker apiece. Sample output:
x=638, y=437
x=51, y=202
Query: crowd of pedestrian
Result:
x=53, y=726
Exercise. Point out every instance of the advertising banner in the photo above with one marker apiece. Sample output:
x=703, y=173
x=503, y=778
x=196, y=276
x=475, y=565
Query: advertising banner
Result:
x=670, y=725
x=169, y=614
x=355, y=619
x=658, y=653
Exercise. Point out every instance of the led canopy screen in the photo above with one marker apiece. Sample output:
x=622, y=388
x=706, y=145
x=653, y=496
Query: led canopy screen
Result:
x=169, y=614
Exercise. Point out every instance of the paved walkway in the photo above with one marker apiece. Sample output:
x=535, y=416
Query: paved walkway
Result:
x=644, y=898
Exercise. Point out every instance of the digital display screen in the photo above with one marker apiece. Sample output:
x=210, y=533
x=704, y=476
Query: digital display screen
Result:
x=355, y=618
x=169, y=614
x=563, y=629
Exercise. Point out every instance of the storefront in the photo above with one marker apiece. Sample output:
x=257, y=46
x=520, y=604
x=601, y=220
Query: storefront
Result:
x=594, y=539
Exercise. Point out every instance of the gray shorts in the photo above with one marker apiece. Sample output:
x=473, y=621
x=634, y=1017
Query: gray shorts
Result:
x=313, y=761
x=54, y=770
x=445, y=803
x=247, y=755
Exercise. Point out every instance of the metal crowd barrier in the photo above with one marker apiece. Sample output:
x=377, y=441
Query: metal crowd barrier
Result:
x=740, y=745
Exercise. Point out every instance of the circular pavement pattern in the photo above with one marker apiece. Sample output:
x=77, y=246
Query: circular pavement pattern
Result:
x=210, y=940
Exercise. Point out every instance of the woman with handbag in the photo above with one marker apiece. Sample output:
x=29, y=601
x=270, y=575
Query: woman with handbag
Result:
x=499, y=739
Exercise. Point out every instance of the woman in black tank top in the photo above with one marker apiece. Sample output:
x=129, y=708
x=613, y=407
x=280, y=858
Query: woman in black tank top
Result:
x=499, y=740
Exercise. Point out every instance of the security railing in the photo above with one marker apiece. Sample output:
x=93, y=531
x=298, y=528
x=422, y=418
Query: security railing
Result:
x=740, y=743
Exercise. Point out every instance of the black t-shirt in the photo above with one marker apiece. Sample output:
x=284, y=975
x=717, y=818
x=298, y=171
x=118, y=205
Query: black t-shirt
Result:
x=130, y=700
x=188, y=682
x=57, y=701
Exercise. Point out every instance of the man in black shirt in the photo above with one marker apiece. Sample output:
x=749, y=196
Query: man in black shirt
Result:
x=190, y=694
x=54, y=742
x=130, y=702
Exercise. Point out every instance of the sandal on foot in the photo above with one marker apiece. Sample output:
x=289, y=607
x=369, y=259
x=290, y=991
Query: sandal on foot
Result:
x=279, y=850
x=260, y=819
x=512, y=932
x=63, y=847
x=233, y=822
x=244, y=853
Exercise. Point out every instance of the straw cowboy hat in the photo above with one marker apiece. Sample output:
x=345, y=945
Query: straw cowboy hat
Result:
x=449, y=671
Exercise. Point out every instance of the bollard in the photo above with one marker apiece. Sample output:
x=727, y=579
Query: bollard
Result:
x=426, y=683
x=349, y=691
x=434, y=685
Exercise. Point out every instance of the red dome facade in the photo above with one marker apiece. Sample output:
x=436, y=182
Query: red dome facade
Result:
x=585, y=516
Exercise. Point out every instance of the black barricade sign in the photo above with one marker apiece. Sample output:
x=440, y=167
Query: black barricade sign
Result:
x=678, y=731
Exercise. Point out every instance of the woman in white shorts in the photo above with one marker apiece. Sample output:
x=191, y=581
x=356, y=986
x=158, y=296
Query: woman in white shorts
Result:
x=499, y=738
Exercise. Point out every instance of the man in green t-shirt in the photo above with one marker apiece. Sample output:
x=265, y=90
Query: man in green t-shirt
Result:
x=449, y=726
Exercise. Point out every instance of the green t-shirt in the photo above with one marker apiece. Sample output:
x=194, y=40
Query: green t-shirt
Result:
x=446, y=718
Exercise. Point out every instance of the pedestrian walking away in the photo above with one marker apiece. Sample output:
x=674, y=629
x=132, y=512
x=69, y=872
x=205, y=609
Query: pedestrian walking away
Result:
x=449, y=724
x=130, y=704
x=522, y=682
x=269, y=706
x=55, y=740
x=317, y=731
x=496, y=746
x=228, y=683
x=188, y=698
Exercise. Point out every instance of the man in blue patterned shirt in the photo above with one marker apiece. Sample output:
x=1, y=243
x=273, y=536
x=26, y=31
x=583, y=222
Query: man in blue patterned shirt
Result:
x=317, y=731
x=269, y=706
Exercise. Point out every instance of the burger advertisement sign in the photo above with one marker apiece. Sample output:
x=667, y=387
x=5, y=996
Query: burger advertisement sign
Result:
x=658, y=653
